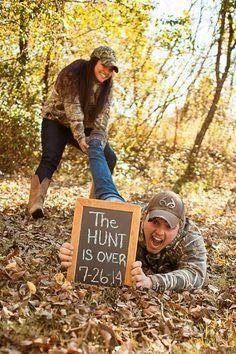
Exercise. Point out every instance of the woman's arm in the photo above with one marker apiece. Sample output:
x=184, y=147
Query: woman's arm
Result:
x=67, y=88
x=75, y=117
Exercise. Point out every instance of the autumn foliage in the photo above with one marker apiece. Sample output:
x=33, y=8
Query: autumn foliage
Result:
x=172, y=126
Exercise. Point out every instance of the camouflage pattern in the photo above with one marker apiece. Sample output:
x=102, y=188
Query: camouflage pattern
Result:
x=64, y=105
x=180, y=266
x=106, y=55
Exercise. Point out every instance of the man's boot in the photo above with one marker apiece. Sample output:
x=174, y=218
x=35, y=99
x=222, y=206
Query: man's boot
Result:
x=92, y=192
x=38, y=192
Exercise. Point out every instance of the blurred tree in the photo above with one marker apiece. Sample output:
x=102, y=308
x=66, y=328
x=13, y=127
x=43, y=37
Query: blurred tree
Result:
x=161, y=64
x=225, y=42
x=27, y=31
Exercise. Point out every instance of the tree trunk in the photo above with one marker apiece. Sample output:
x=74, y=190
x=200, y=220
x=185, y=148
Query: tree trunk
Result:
x=45, y=78
x=23, y=37
x=176, y=128
x=220, y=79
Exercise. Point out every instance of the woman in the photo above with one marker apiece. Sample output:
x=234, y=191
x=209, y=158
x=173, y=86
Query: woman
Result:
x=78, y=107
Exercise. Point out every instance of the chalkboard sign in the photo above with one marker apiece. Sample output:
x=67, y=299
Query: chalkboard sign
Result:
x=104, y=236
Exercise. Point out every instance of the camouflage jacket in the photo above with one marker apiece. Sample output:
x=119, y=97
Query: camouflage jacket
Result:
x=64, y=106
x=181, y=265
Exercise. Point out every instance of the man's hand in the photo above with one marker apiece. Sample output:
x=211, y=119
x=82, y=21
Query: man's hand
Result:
x=83, y=145
x=65, y=254
x=138, y=276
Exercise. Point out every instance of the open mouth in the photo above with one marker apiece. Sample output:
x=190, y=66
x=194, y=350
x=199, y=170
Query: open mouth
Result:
x=156, y=240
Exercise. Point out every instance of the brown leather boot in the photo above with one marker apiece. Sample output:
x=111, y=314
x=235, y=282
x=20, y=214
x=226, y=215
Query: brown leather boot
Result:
x=37, y=195
x=92, y=192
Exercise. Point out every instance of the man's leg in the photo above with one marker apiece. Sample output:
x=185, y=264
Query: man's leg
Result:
x=110, y=157
x=104, y=186
x=108, y=152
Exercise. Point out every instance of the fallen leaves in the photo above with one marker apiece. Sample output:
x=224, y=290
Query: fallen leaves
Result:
x=40, y=311
x=12, y=266
x=59, y=278
x=32, y=287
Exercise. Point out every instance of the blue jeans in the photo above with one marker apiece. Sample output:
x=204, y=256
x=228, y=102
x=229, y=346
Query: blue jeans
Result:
x=104, y=186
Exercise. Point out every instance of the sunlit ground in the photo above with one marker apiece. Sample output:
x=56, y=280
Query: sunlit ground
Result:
x=40, y=311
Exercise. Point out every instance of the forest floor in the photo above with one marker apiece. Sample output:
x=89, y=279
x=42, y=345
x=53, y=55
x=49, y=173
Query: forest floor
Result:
x=41, y=312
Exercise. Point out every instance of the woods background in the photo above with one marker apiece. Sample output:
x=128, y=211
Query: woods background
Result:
x=172, y=126
x=172, y=119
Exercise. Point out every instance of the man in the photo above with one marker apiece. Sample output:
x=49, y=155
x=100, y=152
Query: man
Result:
x=171, y=253
x=170, y=246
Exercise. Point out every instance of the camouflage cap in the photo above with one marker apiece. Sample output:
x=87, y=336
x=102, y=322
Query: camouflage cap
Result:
x=168, y=206
x=106, y=55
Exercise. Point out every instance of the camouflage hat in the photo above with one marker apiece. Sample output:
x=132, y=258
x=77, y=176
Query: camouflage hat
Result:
x=106, y=55
x=168, y=206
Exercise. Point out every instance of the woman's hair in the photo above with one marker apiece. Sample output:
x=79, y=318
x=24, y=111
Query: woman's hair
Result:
x=78, y=78
x=85, y=82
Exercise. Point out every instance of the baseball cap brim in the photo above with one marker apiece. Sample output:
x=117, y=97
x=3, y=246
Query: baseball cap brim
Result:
x=114, y=67
x=163, y=214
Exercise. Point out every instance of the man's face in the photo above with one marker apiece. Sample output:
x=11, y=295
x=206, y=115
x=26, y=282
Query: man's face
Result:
x=158, y=234
x=102, y=72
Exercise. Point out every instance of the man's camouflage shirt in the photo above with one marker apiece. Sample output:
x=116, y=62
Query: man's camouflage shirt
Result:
x=181, y=265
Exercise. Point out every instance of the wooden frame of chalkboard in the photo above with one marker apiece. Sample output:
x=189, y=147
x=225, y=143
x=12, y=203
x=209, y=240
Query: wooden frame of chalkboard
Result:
x=104, y=237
